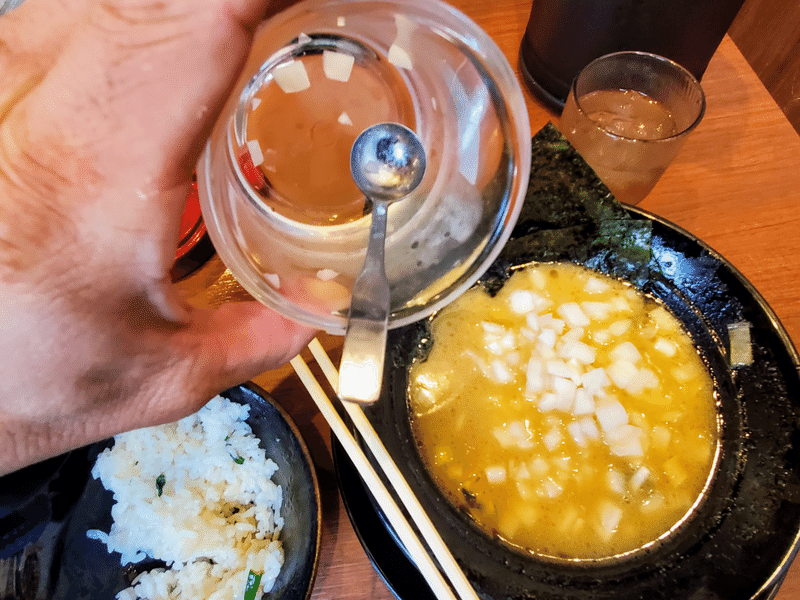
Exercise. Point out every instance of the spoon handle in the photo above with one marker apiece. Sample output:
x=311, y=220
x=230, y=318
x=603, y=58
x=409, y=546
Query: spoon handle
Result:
x=361, y=369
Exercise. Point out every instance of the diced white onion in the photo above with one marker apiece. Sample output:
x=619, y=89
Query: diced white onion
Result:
x=577, y=370
x=256, y=156
x=602, y=336
x=521, y=301
x=551, y=488
x=580, y=351
x=616, y=482
x=493, y=329
x=525, y=492
x=665, y=346
x=610, y=515
x=428, y=391
x=647, y=378
x=340, y=21
x=625, y=351
x=496, y=474
x=547, y=338
x=595, y=285
x=573, y=335
x=558, y=368
x=683, y=373
x=596, y=310
x=500, y=373
x=589, y=428
x=623, y=433
x=639, y=477
x=337, y=66
x=548, y=321
x=611, y=415
x=620, y=328
x=662, y=318
x=539, y=466
x=550, y=401
x=584, y=403
x=479, y=362
x=532, y=321
x=255, y=103
x=534, y=382
x=273, y=280
x=595, y=380
x=660, y=437
x=621, y=304
x=552, y=439
x=653, y=503
x=564, y=388
x=493, y=346
x=571, y=313
x=400, y=58
x=503, y=437
x=327, y=274
x=626, y=441
x=345, y=119
x=574, y=429
x=562, y=462
x=537, y=278
x=741, y=345
x=519, y=433
x=291, y=77
x=622, y=373
x=508, y=341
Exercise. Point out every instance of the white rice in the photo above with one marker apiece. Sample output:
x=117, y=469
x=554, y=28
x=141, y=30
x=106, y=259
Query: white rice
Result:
x=217, y=517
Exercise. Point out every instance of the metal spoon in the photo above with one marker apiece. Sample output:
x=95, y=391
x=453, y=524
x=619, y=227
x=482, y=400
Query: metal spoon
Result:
x=387, y=162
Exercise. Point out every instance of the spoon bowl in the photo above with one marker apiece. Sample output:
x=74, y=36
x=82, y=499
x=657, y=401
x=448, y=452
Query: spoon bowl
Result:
x=387, y=162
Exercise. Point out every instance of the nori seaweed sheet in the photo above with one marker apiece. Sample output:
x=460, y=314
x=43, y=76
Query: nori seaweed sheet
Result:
x=570, y=215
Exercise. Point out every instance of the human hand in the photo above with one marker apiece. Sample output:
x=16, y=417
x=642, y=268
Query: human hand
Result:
x=104, y=109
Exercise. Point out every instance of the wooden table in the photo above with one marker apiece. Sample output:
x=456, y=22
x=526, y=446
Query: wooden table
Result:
x=735, y=185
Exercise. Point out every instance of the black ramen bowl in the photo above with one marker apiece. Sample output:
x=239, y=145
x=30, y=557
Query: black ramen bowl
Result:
x=738, y=543
x=67, y=565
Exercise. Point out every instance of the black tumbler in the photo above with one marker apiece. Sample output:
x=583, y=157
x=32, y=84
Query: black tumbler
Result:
x=563, y=36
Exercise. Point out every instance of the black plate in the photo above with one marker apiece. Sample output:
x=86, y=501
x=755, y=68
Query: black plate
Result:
x=61, y=563
x=742, y=538
x=375, y=533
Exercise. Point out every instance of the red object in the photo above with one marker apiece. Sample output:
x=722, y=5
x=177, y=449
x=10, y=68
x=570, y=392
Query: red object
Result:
x=252, y=173
x=194, y=245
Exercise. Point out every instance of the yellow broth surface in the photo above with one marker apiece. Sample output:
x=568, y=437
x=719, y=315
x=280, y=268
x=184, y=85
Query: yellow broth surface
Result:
x=570, y=414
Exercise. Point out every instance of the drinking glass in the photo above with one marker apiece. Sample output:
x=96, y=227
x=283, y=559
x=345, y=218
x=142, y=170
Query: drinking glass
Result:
x=628, y=114
x=275, y=186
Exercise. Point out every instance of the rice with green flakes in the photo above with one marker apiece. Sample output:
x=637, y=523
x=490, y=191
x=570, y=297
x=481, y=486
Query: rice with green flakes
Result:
x=196, y=494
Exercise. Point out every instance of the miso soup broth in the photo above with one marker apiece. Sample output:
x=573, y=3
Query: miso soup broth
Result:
x=570, y=414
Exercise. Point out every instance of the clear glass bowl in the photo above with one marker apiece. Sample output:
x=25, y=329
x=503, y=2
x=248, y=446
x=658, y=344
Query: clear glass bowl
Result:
x=275, y=187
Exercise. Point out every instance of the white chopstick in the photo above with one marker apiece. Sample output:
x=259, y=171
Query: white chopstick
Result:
x=405, y=493
x=418, y=553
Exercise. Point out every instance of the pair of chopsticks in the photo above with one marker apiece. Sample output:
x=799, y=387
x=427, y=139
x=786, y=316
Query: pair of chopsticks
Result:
x=461, y=588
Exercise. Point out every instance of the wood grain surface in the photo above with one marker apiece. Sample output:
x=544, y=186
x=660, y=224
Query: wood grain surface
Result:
x=768, y=34
x=735, y=185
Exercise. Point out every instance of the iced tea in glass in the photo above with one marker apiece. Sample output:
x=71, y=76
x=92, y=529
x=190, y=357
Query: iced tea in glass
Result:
x=628, y=115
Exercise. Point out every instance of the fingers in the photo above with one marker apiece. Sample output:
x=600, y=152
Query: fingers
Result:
x=237, y=342
x=136, y=86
